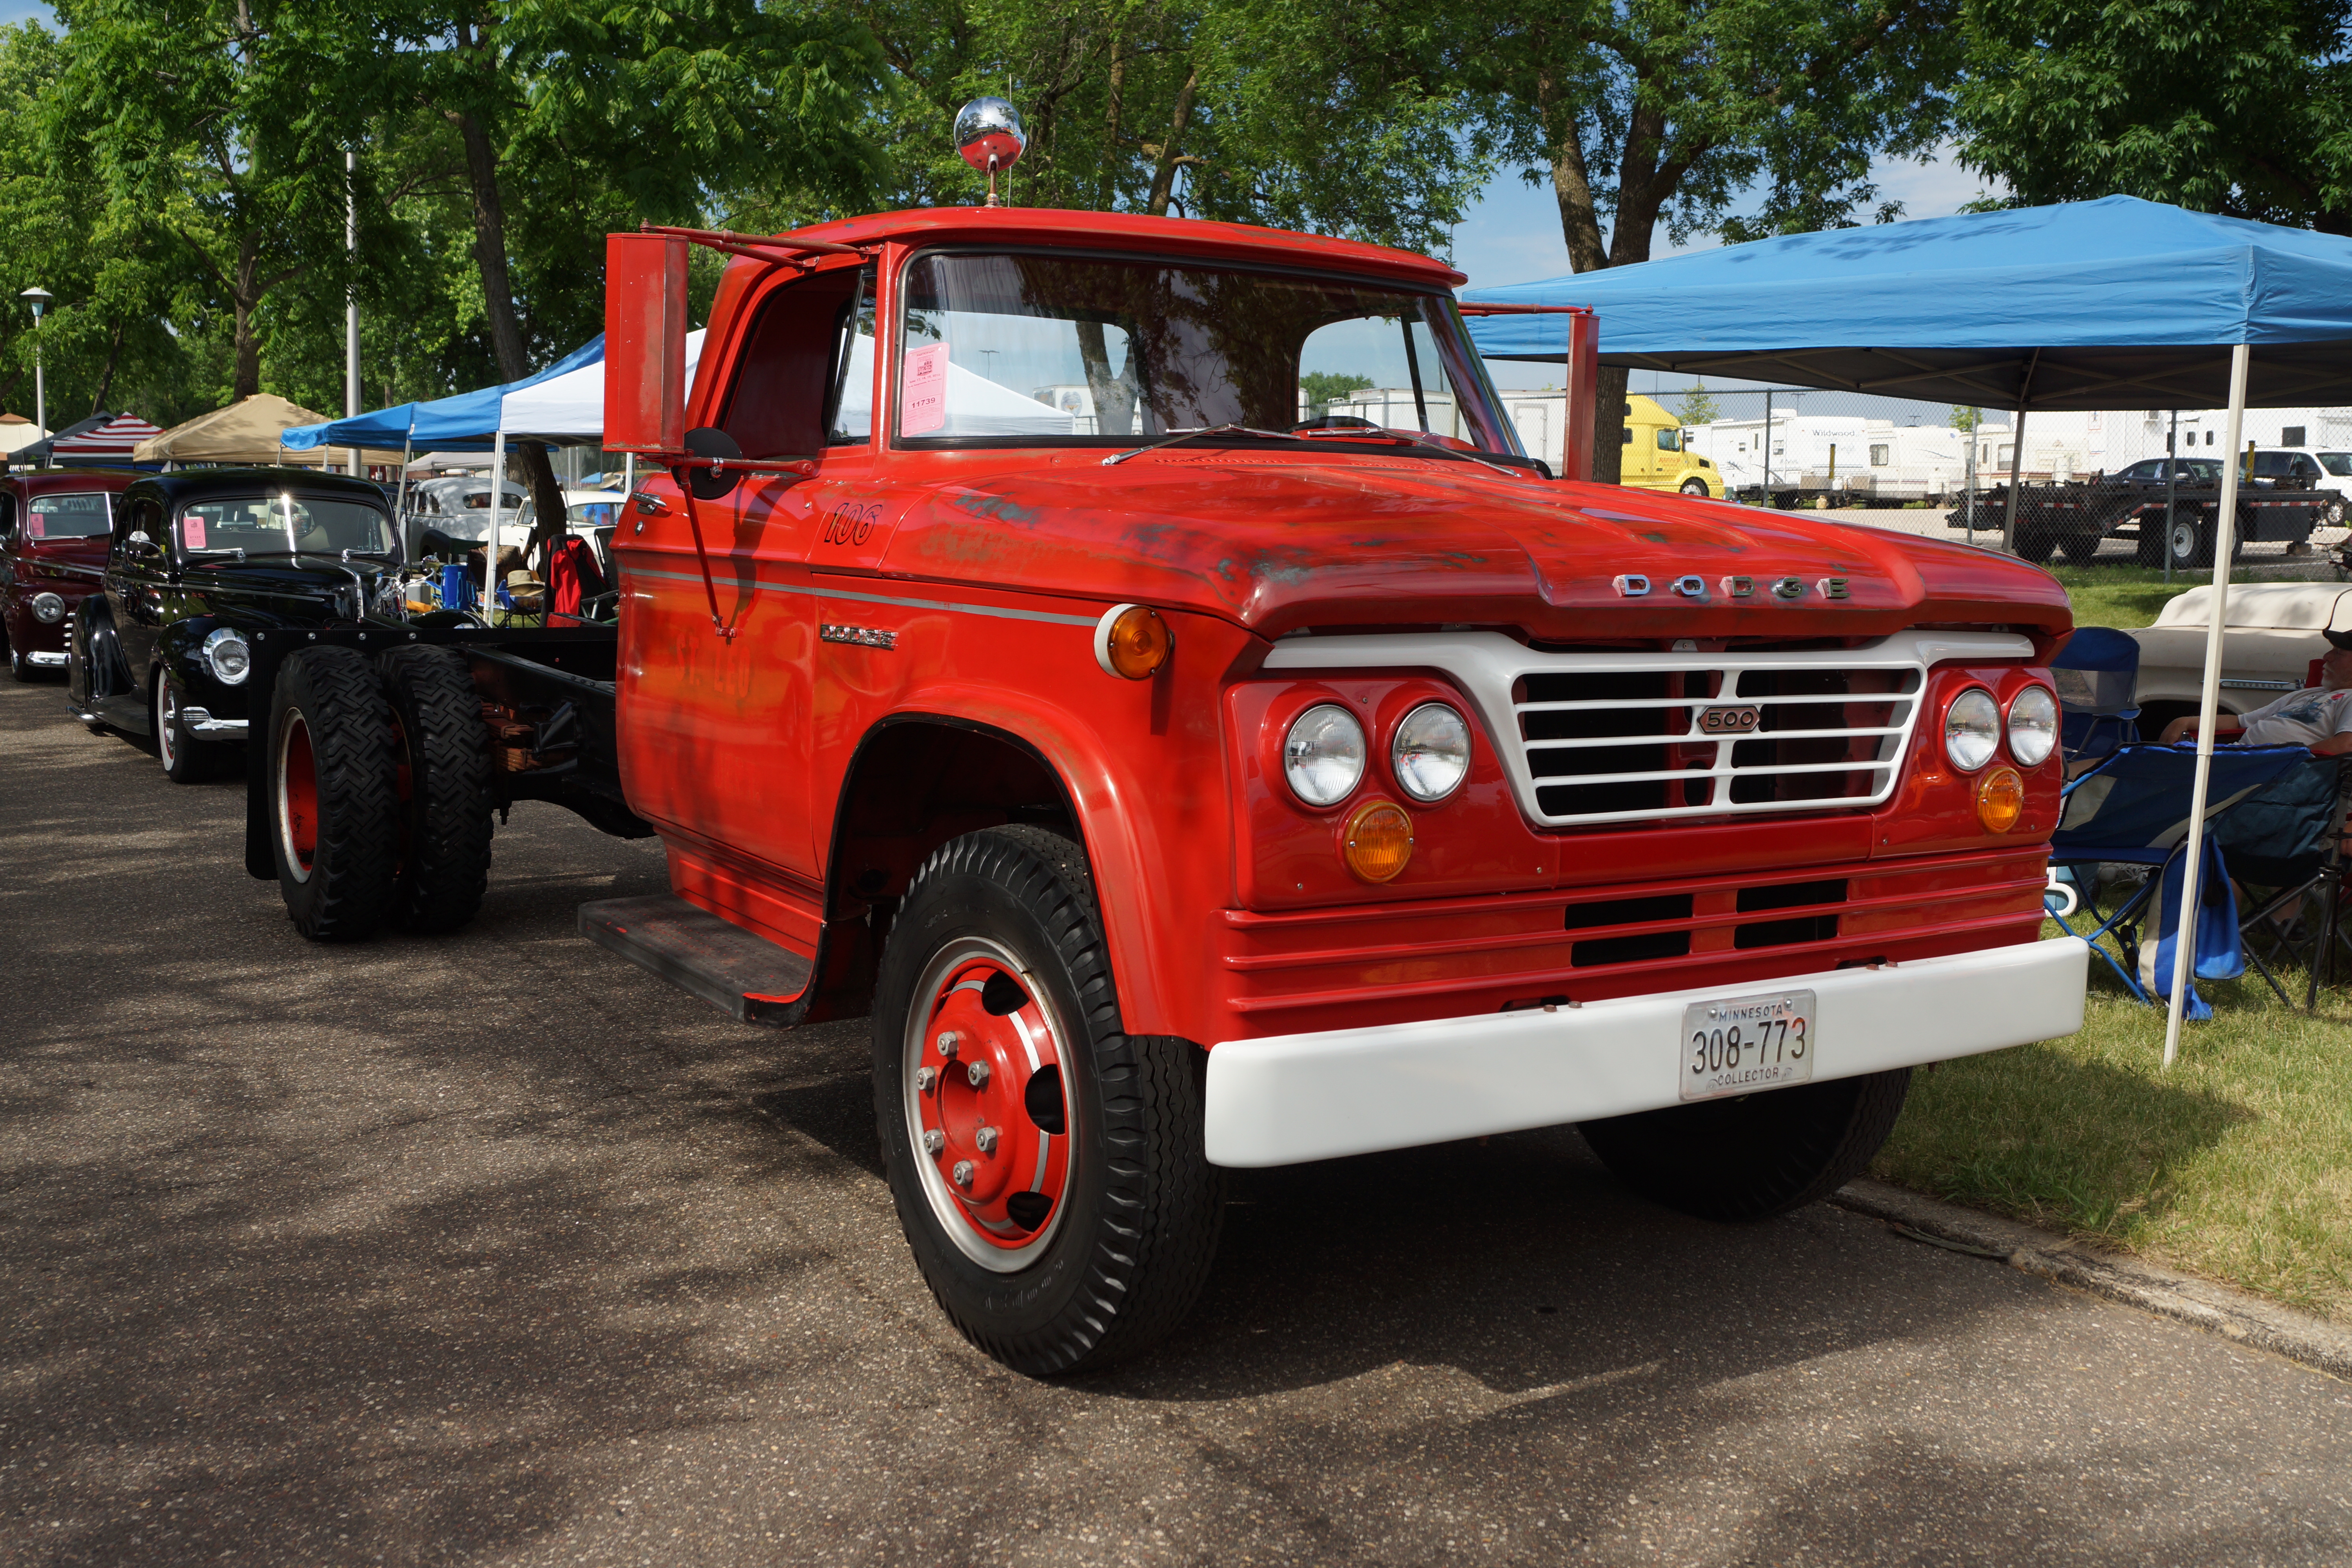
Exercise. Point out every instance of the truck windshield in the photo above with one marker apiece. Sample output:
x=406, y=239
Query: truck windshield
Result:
x=1037, y=349
x=284, y=523
x=67, y=517
x=2337, y=463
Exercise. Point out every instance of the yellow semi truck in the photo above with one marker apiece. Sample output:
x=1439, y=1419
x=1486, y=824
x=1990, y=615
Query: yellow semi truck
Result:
x=1654, y=459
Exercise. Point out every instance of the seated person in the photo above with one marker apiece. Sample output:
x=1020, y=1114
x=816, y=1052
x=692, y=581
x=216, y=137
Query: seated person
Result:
x=2319, y=717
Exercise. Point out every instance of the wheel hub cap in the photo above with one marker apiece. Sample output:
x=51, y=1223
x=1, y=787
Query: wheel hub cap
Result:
x=987, y=1107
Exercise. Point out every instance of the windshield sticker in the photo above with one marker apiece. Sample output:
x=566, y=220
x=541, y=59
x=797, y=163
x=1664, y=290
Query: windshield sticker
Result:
x=192, y=531
x=38, y=526
x=923, y=390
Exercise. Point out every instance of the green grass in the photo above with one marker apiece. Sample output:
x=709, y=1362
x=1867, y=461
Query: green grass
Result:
x=2129, y=596
x=2235, y=1165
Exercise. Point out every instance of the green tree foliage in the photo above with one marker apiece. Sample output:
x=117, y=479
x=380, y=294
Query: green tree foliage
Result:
x=2244, y=109
x=1645, y=115
x=1337, y=119
x=1322, y=388
x=1966, y=418
x=1698, y=406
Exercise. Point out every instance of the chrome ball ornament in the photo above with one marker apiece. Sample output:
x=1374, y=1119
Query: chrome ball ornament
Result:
x=988, y=134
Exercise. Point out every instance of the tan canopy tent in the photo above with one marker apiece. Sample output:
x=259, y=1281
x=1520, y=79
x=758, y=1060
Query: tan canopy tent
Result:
x=246, y=432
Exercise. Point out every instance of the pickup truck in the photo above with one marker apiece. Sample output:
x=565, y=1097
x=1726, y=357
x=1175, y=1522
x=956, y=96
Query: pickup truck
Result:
x=2132, y=502
x=1194, y=786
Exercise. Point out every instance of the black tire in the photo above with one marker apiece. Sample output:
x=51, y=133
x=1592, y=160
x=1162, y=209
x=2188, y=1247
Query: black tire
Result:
x=1694, y=488
x=2082, y=549
x=186, y=760
x=2035, y=543
x=19, y=667
x=2148, y=550
x=333, y=795
x=444, y=815
x=1120, y=1254
x=1757, y=1155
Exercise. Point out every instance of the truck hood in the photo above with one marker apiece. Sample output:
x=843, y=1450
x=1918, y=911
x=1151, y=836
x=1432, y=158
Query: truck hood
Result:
x=1280, y=542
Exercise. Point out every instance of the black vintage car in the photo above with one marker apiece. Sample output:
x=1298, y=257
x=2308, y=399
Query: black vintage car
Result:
x=196, y=562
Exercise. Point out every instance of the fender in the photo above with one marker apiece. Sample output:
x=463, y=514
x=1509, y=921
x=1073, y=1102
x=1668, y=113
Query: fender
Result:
x=98, y=670
x=1126, y=793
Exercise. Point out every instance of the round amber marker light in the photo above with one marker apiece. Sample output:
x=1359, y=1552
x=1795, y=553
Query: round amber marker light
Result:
x=2000, y=799
x=1379, y=841
x=1133, y=642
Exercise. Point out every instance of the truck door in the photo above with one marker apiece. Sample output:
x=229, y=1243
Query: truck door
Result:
x=740, y=706
x=136, y=580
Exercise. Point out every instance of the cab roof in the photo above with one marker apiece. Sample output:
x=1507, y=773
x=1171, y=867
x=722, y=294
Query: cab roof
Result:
x=196, y=484
x=1132, y=231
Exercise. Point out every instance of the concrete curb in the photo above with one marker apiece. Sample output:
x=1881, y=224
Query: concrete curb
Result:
x=2200, y=1303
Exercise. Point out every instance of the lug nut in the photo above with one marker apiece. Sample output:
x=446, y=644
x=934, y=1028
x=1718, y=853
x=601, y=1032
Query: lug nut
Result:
x=948, y=1045
x=924, y=1078
x=977, y=1075
x=986, y=1137
x=962, y=1173
x=933, y=1140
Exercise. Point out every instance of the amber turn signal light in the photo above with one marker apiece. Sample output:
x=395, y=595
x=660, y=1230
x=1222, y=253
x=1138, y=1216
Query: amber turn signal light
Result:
x=1379, y=841
x=1132, y=642
x=2000, y=799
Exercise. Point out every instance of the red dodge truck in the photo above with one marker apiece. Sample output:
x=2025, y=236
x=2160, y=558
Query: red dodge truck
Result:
x=1181, y=780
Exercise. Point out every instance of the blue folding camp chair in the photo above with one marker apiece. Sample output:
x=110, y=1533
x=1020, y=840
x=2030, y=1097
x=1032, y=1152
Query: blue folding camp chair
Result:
x=2097, y=673
x=2133, y=808
x=2288, y=837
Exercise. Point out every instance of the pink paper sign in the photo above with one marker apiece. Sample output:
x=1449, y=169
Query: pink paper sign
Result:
x=923, y=390
x=192, y=531
x=38, y=526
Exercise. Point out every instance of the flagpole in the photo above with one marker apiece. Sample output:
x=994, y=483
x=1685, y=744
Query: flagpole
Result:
x=2184, y=953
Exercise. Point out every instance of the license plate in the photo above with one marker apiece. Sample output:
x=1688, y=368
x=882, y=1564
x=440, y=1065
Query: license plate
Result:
x=1739, y=1044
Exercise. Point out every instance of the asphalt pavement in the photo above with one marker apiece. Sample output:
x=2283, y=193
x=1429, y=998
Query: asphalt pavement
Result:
x=491, y=1249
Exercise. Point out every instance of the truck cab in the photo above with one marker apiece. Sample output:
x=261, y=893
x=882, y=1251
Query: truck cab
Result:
x=1180, y=785
x=1657, y=456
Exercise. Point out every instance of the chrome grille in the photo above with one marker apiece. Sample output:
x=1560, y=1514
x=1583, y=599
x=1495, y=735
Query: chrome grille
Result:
x=1612, y=736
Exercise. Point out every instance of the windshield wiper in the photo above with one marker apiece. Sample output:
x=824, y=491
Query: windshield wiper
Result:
x=1118, y=457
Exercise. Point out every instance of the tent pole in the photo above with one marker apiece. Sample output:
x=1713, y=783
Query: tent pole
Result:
x=491, y=553
x=2184, y=954
x=400, y=489
x=2017, y=453
x=2171, y=489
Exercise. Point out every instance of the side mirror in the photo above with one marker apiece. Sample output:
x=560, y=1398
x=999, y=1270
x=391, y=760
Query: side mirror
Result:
x=710, y=484
x=644, y=343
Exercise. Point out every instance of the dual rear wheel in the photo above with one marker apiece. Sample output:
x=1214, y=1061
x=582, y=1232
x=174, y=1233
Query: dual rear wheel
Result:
x=379, y=791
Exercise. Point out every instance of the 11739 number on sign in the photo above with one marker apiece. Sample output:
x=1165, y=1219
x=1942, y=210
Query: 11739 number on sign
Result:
x=1741, y=1044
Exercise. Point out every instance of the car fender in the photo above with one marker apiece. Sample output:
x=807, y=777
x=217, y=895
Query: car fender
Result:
x=97, y=668
x=180, y=650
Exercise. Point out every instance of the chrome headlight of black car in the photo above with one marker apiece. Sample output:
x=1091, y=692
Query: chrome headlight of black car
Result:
x=49, y=610
x=227, y=655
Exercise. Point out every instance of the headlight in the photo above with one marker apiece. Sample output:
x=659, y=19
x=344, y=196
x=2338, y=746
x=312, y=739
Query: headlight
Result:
x=1431, y=753
x=1323, y=755
x=228, y=657
x=49, y=610
x=1972, y=728
x=2032, y=726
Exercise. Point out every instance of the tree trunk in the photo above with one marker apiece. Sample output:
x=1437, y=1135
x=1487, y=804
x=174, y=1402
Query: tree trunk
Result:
x=1580, y=225
x=506, y=331
x=1163, y=179
x=245, y=377
x=1106, y=197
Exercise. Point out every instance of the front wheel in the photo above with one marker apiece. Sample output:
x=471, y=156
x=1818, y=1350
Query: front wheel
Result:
x=1049, y=1171
x=185, y=759
x=1755, y=1155
x=445, y=810
x=1695, y=488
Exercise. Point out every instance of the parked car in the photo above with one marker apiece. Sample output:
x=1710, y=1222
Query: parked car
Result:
x=196, y=562
x=53, y=534
x=2305, y=468
x=2267, y=646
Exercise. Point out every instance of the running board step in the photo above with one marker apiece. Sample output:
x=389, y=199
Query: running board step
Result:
x=747, y=977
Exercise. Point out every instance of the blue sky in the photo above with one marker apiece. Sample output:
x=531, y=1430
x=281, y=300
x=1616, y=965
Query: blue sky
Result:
x=25, y=10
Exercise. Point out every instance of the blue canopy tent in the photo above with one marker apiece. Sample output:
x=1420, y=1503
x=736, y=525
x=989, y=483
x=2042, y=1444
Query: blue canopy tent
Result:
x=468, y=421
x=2117, y=302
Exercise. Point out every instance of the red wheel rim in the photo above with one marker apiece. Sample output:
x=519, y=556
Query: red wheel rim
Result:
x=988, y=1104
x=298, y=796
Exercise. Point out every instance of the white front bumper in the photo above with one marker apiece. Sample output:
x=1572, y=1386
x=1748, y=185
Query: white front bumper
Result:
x=1288, y=1097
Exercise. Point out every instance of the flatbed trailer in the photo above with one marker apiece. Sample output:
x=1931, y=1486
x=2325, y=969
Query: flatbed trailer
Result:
x=2075, y=518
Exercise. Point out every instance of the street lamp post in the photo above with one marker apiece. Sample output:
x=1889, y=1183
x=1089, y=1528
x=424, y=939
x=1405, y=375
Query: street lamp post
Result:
x=39, y=298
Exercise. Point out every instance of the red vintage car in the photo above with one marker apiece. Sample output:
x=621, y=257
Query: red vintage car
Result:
x=1011, y=652
x=53, y=537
